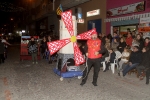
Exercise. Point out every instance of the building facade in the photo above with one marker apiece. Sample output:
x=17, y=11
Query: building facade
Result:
x=90, y=14
x=125, y=14
x=42, y=18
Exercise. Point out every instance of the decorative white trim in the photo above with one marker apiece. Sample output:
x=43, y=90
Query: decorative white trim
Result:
x=137, y=16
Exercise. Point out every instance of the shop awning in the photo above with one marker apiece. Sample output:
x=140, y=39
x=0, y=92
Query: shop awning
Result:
x=125, y=22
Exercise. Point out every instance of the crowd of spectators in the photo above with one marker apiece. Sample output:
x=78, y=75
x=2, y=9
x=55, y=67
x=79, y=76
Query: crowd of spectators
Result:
x=134, y=51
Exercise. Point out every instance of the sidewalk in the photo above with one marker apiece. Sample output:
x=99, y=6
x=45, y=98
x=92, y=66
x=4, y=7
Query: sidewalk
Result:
x=22, y=80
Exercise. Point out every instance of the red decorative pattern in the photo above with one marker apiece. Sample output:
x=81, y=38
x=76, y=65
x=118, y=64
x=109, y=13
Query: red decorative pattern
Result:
x=86, y=35
x=67, y=18
x=78, y=57
x=57, y=45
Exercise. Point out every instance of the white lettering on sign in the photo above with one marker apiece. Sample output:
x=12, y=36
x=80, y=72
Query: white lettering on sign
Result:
x=93, y=13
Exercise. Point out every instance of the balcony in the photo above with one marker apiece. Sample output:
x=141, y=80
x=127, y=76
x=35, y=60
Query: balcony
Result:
x=66, y=4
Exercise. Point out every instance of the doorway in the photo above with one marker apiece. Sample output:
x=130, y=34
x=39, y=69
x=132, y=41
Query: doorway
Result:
x=95, y=24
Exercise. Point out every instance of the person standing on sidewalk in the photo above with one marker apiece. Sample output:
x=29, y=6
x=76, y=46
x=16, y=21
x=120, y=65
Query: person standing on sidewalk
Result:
x=33, y=49
x=2, y=50
x=49, y=56
x=43, y=47
x=94, y=50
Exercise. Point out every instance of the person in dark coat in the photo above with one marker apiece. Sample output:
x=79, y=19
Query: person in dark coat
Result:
x=148, y=45
x=33, y=49
x=111, y=58
x=110, y=37
x=44, y=47
x=141, y=41
x=147, y=75
x=134, y=59
x=145, y=63
x=104, y=55
x=147, y=68
x=48, y=52
x=122, y=45
x=81, y=47
x=2, y=50
x=102, y=38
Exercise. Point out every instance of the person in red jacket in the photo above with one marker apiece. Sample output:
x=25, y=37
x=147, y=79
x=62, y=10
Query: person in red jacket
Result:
x=94, y=50
x=129, y=39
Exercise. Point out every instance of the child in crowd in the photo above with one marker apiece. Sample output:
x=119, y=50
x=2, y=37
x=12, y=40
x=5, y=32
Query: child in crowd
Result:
x=110, y=59
x=124, y=59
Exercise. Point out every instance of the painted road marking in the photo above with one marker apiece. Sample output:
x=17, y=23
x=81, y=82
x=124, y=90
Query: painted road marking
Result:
x=5, y=81
x=7, y=95
x=7, y=92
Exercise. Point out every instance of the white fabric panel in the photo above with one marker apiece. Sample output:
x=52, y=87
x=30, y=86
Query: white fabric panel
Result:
x=64, y=34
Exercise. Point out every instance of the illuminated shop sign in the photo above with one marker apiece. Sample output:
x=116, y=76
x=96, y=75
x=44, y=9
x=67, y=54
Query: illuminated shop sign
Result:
x=93, y=13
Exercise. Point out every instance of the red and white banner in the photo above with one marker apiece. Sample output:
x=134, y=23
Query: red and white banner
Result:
x=136, y=7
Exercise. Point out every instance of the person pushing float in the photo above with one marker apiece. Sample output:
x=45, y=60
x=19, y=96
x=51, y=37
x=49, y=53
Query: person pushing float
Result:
x=69, y=55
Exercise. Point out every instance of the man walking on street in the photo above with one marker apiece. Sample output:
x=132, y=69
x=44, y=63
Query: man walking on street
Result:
x=94, y=50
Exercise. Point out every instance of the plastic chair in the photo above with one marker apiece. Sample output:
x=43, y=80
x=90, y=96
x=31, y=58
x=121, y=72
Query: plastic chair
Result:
x=104, y=65
x=112, y=65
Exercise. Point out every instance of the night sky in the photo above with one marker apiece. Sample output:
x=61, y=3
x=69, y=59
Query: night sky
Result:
x=6, y=13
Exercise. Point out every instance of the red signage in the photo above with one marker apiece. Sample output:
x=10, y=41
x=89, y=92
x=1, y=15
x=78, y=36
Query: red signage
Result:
x=144, y=29
x=136, y=7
